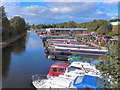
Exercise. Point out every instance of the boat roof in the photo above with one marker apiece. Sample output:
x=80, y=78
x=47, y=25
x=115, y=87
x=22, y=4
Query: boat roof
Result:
x=82, y=64
x=71, y=29
x=60, y=64
x=60, y=81
x=100, y=50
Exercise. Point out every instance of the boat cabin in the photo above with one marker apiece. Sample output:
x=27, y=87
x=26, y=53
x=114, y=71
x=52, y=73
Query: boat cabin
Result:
x=58, y=68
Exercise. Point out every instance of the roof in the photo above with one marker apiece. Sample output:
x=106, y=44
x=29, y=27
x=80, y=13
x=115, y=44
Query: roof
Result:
x=60, y=64
x=48, y=29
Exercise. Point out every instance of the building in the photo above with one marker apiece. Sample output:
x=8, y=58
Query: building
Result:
x=66, y=30
x=114, y=24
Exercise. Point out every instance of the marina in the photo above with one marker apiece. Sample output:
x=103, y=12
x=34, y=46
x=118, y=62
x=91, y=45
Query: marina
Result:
x=59, y=45
x=28, y=50
x=76, y=66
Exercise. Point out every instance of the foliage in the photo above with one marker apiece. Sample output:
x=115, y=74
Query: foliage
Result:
x=114, y=20
x=6, y=28
x=100, y=26
x=27, y=26
x=18, y=24
x=115, y=32
x=12, y=27
x=110, y=70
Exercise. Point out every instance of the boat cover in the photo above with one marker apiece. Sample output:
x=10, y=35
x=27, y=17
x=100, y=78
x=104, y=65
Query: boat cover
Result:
x=95, y=62
x=75, y=57
x=89, y=81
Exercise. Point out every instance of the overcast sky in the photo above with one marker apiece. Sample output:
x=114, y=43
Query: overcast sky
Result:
x=57, y=12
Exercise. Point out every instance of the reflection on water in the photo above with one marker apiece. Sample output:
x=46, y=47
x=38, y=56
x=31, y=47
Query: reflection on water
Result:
x=22, y=59
x=17, y=47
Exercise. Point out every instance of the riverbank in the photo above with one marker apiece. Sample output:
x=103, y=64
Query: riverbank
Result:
x=7, y=42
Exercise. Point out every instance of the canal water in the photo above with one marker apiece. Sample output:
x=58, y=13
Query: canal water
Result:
x=22, y=59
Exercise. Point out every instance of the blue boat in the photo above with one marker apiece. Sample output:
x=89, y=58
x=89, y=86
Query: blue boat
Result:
x=88, y=82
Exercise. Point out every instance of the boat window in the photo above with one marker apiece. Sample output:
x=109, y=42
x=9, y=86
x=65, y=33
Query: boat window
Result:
x=60, y=69
x=54, y=69
x=73, y=68
x=89, y=69
x=73, y=50
x=79, y=80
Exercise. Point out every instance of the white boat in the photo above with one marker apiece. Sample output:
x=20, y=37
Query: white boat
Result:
x=66, y=80
x=54, y=82
x=81, y=69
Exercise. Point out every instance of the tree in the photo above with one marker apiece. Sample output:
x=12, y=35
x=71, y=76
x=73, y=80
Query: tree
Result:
x=27, y=26
x=53, y=25
x=101, y=30
x=37, y=27
x=111, y=69
x=71, y=24
x=6, y=28
x=115, y=32
x=18, y=24
x=114, y=20
x=49, y=26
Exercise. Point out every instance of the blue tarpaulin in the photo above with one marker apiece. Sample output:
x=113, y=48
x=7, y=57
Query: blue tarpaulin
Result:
x=95, y=62
x=88, y=81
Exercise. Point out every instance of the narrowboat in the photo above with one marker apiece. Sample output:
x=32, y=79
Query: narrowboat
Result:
x=82, y=45
x=77, y=51
x=57, y=57
x=64, y=40
x=74, y=42
x=57, y=69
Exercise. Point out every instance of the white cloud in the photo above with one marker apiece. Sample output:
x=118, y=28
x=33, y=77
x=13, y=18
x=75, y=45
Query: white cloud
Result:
x=112, y=15
x=61, y=10
x=58, y=12
x=100, y=12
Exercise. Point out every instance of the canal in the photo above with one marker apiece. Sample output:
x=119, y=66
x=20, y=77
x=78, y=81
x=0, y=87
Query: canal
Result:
x=22, y=59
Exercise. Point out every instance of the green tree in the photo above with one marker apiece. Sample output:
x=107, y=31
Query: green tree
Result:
x=114, y=20
x=53, y=25
x=101, y=30
x=49, y=26
x=37, y=27
x=6, y=28
x=27, y=26
x=71, y=24
x=18, y=24
x=115, y=32
x=111, y=69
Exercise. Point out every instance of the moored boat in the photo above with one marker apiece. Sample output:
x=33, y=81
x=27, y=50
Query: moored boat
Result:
x=77, y=51
x=57, y=69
